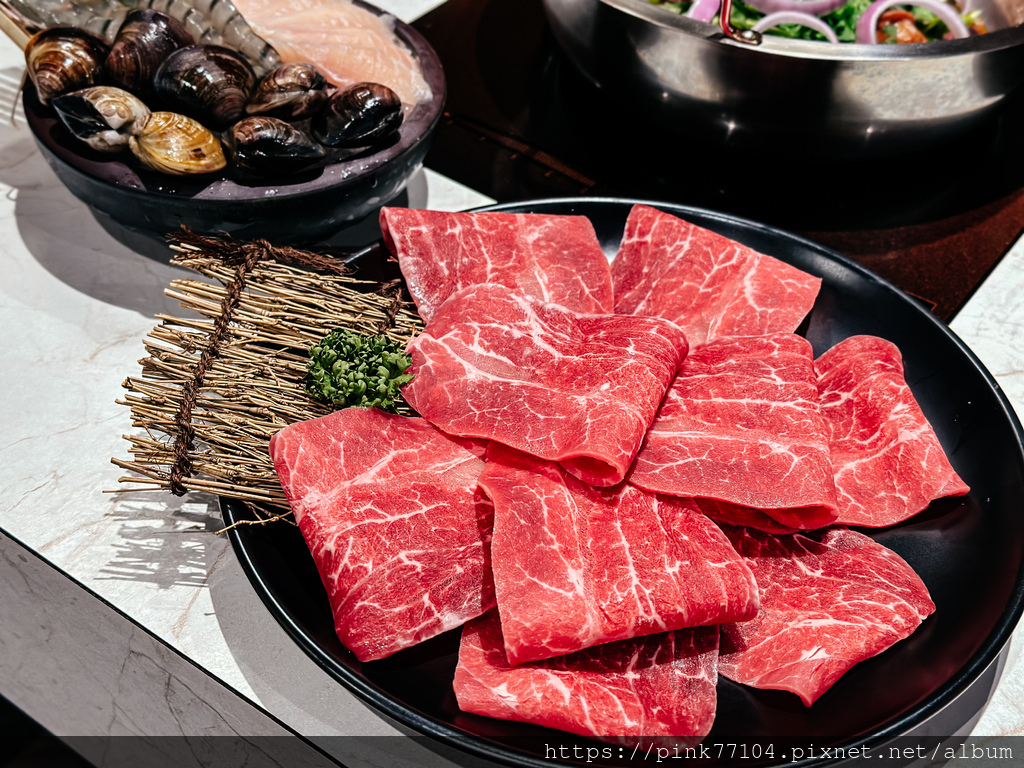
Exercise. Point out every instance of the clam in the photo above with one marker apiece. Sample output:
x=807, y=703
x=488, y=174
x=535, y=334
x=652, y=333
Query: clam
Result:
x=102, y=116
x=63, y=59
x=358, y=116
x=290, y=92
x=267, y=146
x=217, y=22
x=145, y=39
x=176, y=144
x=207, y=82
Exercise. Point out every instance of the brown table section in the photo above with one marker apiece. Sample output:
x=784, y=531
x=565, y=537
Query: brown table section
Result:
x=940, y=262
x=521, y=123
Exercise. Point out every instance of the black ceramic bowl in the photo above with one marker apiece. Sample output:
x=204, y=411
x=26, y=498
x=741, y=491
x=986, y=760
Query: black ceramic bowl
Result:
x=302, y=208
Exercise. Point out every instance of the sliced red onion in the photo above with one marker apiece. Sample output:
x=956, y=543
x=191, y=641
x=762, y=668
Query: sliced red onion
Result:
x=867, y=26
x=704, y=10
x=813, y=7
x=793, y=17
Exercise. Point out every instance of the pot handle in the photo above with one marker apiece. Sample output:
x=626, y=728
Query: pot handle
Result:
x=745, y=36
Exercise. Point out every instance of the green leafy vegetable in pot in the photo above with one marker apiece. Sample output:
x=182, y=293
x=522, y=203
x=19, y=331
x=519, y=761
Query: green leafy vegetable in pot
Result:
x=842, y=21
x=349, y=369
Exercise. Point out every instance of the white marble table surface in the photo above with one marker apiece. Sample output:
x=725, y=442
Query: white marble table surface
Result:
x=124, y=614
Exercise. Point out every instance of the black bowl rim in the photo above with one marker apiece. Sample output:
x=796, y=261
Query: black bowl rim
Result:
x=425, y=116
x=984, y=656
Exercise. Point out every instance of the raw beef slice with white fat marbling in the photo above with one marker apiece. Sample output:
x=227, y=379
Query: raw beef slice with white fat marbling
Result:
x=390, y=510
x=557, y=259
x=707, y=284
x=576, y=566
x=741, y=425
x=629, y=692
x=577, y=389
x=828, y=601
x=734, y=514
x=889, y=464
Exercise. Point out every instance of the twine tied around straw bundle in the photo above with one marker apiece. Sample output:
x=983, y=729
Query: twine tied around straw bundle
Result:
x=214, y=390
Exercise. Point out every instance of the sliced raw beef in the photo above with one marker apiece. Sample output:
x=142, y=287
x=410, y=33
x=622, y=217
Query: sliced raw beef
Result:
x=553, y=258
x=888, y=462
x=390, y=510
x=709, y=285
x=734, y=514
x=741, y=425
x=577, y=566
x=828, y=600
x=628, y=692
x=579, y=389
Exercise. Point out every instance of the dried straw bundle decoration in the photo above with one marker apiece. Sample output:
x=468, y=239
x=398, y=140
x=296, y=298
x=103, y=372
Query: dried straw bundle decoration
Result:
x=215, y=388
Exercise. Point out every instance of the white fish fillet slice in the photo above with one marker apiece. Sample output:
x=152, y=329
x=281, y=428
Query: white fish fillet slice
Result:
x=347, y=43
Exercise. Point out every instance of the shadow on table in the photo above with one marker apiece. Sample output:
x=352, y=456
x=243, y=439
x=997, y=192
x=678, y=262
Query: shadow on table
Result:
x=164, y=540
x=64, y=238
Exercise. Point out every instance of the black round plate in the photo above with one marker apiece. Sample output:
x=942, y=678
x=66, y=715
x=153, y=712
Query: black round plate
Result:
x=967, y=550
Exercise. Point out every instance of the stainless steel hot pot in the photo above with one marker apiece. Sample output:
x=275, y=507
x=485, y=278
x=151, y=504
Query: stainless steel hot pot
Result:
x=851, y=99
